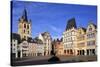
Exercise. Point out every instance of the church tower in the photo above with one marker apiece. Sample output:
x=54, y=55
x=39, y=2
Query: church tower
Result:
x=24, y=26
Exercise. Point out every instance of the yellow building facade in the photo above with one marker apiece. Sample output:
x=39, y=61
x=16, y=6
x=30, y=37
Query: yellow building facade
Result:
x=46, y=38
x=58, y=47
x=24, y=26
x=81, y=41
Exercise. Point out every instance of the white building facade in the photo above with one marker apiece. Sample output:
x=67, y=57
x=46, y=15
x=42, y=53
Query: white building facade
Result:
x=46, y=39
x=70, y=38
x=40, y=49
x=70, y=41
x=15, y=44
x=23, y=49
x=32, y=49
x=91, y=35
x=81, y=41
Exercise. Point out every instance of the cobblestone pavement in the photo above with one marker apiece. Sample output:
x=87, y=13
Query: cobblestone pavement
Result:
x=78, y=58
x=44, y=60
x=35, y=58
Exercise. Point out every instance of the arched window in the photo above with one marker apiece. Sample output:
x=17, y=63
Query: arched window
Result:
x=24, y=37
x=64, y=51
x=24, y=25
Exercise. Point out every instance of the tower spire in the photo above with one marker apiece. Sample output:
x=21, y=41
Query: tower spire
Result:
x=24, y=16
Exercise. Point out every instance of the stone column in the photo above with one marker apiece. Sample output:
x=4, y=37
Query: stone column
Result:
x=16, y=54
x=89, y=52
x=21, y=54
x=35, y=54
x=85, y=52
x=74, y=52
x=95, y=51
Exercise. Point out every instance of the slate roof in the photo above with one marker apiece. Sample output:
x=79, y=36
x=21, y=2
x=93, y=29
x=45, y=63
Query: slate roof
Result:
x=45, y=33
x=16, y=37
x=84, y=29
x=24, y=16
x=71, y=23
x=94, y=25
x=37, y=40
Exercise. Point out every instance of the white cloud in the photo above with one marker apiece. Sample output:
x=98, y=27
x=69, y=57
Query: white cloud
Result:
x=57, y=30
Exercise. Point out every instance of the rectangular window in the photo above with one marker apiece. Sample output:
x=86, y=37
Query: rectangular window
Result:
x=73, y=33
x=14, y=44
x=71, y=38
x=91, y=35
x=27, y=26
x=90, y=43
x=66, y=40
x=93, y=42
x=28, y=32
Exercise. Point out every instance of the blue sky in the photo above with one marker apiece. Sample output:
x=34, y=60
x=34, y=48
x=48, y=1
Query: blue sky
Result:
x=52, y=17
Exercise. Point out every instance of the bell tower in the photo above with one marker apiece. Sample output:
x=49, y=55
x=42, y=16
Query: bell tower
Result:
x=24, y=26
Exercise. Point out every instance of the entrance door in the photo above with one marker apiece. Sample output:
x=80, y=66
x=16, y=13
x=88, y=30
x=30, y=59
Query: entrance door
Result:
x=83, y=52
x=87, y=52
x=18, y=54
x=93, y=51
